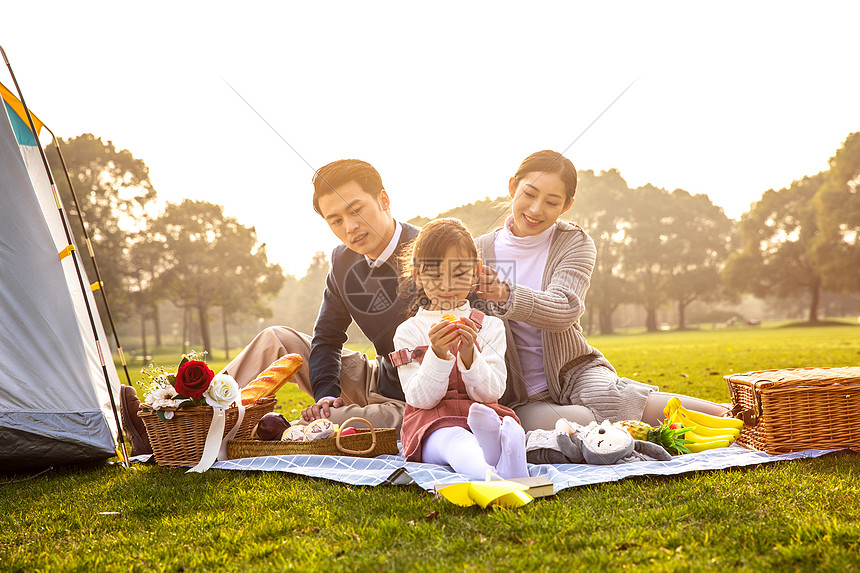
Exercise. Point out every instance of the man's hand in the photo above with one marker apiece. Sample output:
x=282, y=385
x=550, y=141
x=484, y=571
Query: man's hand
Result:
x=321, y=409
x=491, y=288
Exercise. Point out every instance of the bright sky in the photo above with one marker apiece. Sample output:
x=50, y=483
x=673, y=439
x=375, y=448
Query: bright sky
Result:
x=444, y=98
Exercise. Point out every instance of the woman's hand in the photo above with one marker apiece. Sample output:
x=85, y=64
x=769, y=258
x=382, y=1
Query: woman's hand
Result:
x=444, y=336
x=468, y=333
x=491, y=288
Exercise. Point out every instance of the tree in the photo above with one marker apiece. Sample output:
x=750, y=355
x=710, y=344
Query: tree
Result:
x=143, y=282
x=479, y=217
x=211, y=259
x=251, y=275
x=838, y=202
x=602, y=208
x=114, y=191
x=309, y=293
x=778, y=241
x=700, y=243
x=648, y=262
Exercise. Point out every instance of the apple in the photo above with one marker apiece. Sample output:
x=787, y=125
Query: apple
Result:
x=270, y=427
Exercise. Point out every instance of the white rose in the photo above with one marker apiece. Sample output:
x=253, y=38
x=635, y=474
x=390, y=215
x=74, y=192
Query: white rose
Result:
x=222, y=391
x=163, y=398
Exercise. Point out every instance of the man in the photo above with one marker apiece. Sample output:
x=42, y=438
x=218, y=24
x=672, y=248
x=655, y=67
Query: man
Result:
x=361, y=286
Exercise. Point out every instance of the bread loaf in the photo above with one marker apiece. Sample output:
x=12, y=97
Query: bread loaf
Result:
x=271, y=379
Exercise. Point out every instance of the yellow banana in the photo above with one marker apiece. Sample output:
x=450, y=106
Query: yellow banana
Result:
x=702, y=446
x=712, y=421
x=706, y=430
x=674, y=407
x=700, y=439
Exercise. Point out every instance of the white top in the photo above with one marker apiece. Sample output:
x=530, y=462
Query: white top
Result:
x=522, y=260
x=386, y=254
x=425, y=383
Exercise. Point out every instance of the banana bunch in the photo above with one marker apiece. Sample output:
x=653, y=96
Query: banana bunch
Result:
x=706, y=432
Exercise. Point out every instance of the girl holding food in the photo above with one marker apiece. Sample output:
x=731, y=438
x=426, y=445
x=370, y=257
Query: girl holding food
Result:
x=451, y=363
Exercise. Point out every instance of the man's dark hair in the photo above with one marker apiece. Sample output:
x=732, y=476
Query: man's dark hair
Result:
x=330, y=177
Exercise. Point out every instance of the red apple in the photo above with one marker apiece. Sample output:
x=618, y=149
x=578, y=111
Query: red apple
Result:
x=270, y=427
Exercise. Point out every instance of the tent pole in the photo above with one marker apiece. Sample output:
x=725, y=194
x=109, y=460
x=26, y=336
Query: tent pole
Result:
x=92, y=255
x=77, y=263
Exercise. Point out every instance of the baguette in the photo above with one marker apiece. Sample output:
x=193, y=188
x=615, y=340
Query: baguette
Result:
x=271, y=379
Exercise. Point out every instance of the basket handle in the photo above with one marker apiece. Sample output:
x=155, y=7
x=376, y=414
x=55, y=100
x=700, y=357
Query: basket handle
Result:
x=359, y=452
x=750, y=417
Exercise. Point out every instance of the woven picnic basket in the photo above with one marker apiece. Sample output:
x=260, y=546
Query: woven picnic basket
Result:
x=180, y=440
x=795, y=409
x=367, y=443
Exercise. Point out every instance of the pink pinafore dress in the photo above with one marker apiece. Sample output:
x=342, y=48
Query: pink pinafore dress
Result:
x=451, y=411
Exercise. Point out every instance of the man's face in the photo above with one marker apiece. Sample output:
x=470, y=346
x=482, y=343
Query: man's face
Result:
x=357, y=219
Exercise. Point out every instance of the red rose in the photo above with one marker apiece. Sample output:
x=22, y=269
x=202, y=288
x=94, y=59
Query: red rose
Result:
x=193, y=379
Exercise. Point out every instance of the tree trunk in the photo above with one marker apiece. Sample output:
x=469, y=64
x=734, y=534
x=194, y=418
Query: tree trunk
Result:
x=143, y=335
x=816, y=298
x=184, y=329
x=156, y=323
x=224, y=328
x=203, y=315
x=682, y=321
x=605, y=320
x=651, y=319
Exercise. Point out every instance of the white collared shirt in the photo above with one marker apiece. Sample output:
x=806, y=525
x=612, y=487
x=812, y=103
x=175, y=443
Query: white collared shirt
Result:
x=386, y=254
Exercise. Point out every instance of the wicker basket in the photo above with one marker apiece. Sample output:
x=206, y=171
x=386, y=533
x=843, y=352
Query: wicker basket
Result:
x=180, y=440
x=797, y=409
x=367, y=443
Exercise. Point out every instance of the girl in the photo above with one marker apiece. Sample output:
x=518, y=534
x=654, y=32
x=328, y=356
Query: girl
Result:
x=547, y=264
x=451, y=362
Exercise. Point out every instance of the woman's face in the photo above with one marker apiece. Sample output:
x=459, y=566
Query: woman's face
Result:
x=538, y=201
x=447, y=281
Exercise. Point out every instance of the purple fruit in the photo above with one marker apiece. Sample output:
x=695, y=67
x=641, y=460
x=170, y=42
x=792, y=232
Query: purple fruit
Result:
x=270, y=427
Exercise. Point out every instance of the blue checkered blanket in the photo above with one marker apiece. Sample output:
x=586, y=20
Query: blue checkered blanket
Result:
x=396, y=470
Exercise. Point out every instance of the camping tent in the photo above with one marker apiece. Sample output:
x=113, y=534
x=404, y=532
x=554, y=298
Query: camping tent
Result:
x=54, y=400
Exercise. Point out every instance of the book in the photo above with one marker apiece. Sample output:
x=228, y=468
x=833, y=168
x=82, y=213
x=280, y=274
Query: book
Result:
x=539, y=486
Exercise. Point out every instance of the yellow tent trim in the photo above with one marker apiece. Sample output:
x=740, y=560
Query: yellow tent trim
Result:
x=16, y=104
x=66, y=252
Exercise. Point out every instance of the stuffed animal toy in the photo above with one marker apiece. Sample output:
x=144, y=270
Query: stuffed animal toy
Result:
x=600, y=444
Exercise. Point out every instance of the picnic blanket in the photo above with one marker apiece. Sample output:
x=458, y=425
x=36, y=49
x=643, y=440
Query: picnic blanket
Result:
x=396, y=470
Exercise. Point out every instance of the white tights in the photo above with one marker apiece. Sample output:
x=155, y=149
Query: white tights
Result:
x=497, y=446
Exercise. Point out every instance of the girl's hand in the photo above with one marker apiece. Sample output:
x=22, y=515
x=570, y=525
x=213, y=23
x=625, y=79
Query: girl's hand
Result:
x=468, y=334
x=444, y=336
x=491, y=288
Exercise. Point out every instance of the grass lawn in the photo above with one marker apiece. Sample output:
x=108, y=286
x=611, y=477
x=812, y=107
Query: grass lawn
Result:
x=800, y=515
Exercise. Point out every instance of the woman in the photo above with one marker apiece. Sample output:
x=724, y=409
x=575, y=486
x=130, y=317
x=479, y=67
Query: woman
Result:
x=536, y=273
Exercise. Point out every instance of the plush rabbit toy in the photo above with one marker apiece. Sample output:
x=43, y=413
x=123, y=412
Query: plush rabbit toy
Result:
x=600, y=444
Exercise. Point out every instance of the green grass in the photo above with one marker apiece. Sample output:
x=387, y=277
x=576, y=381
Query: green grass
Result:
x=800, y=515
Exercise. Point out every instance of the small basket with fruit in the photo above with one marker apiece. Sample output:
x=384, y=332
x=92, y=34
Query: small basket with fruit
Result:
x=275, y=437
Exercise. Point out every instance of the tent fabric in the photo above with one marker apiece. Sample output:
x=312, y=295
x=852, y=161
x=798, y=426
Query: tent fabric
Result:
x=16, y=111
x=52, y=387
